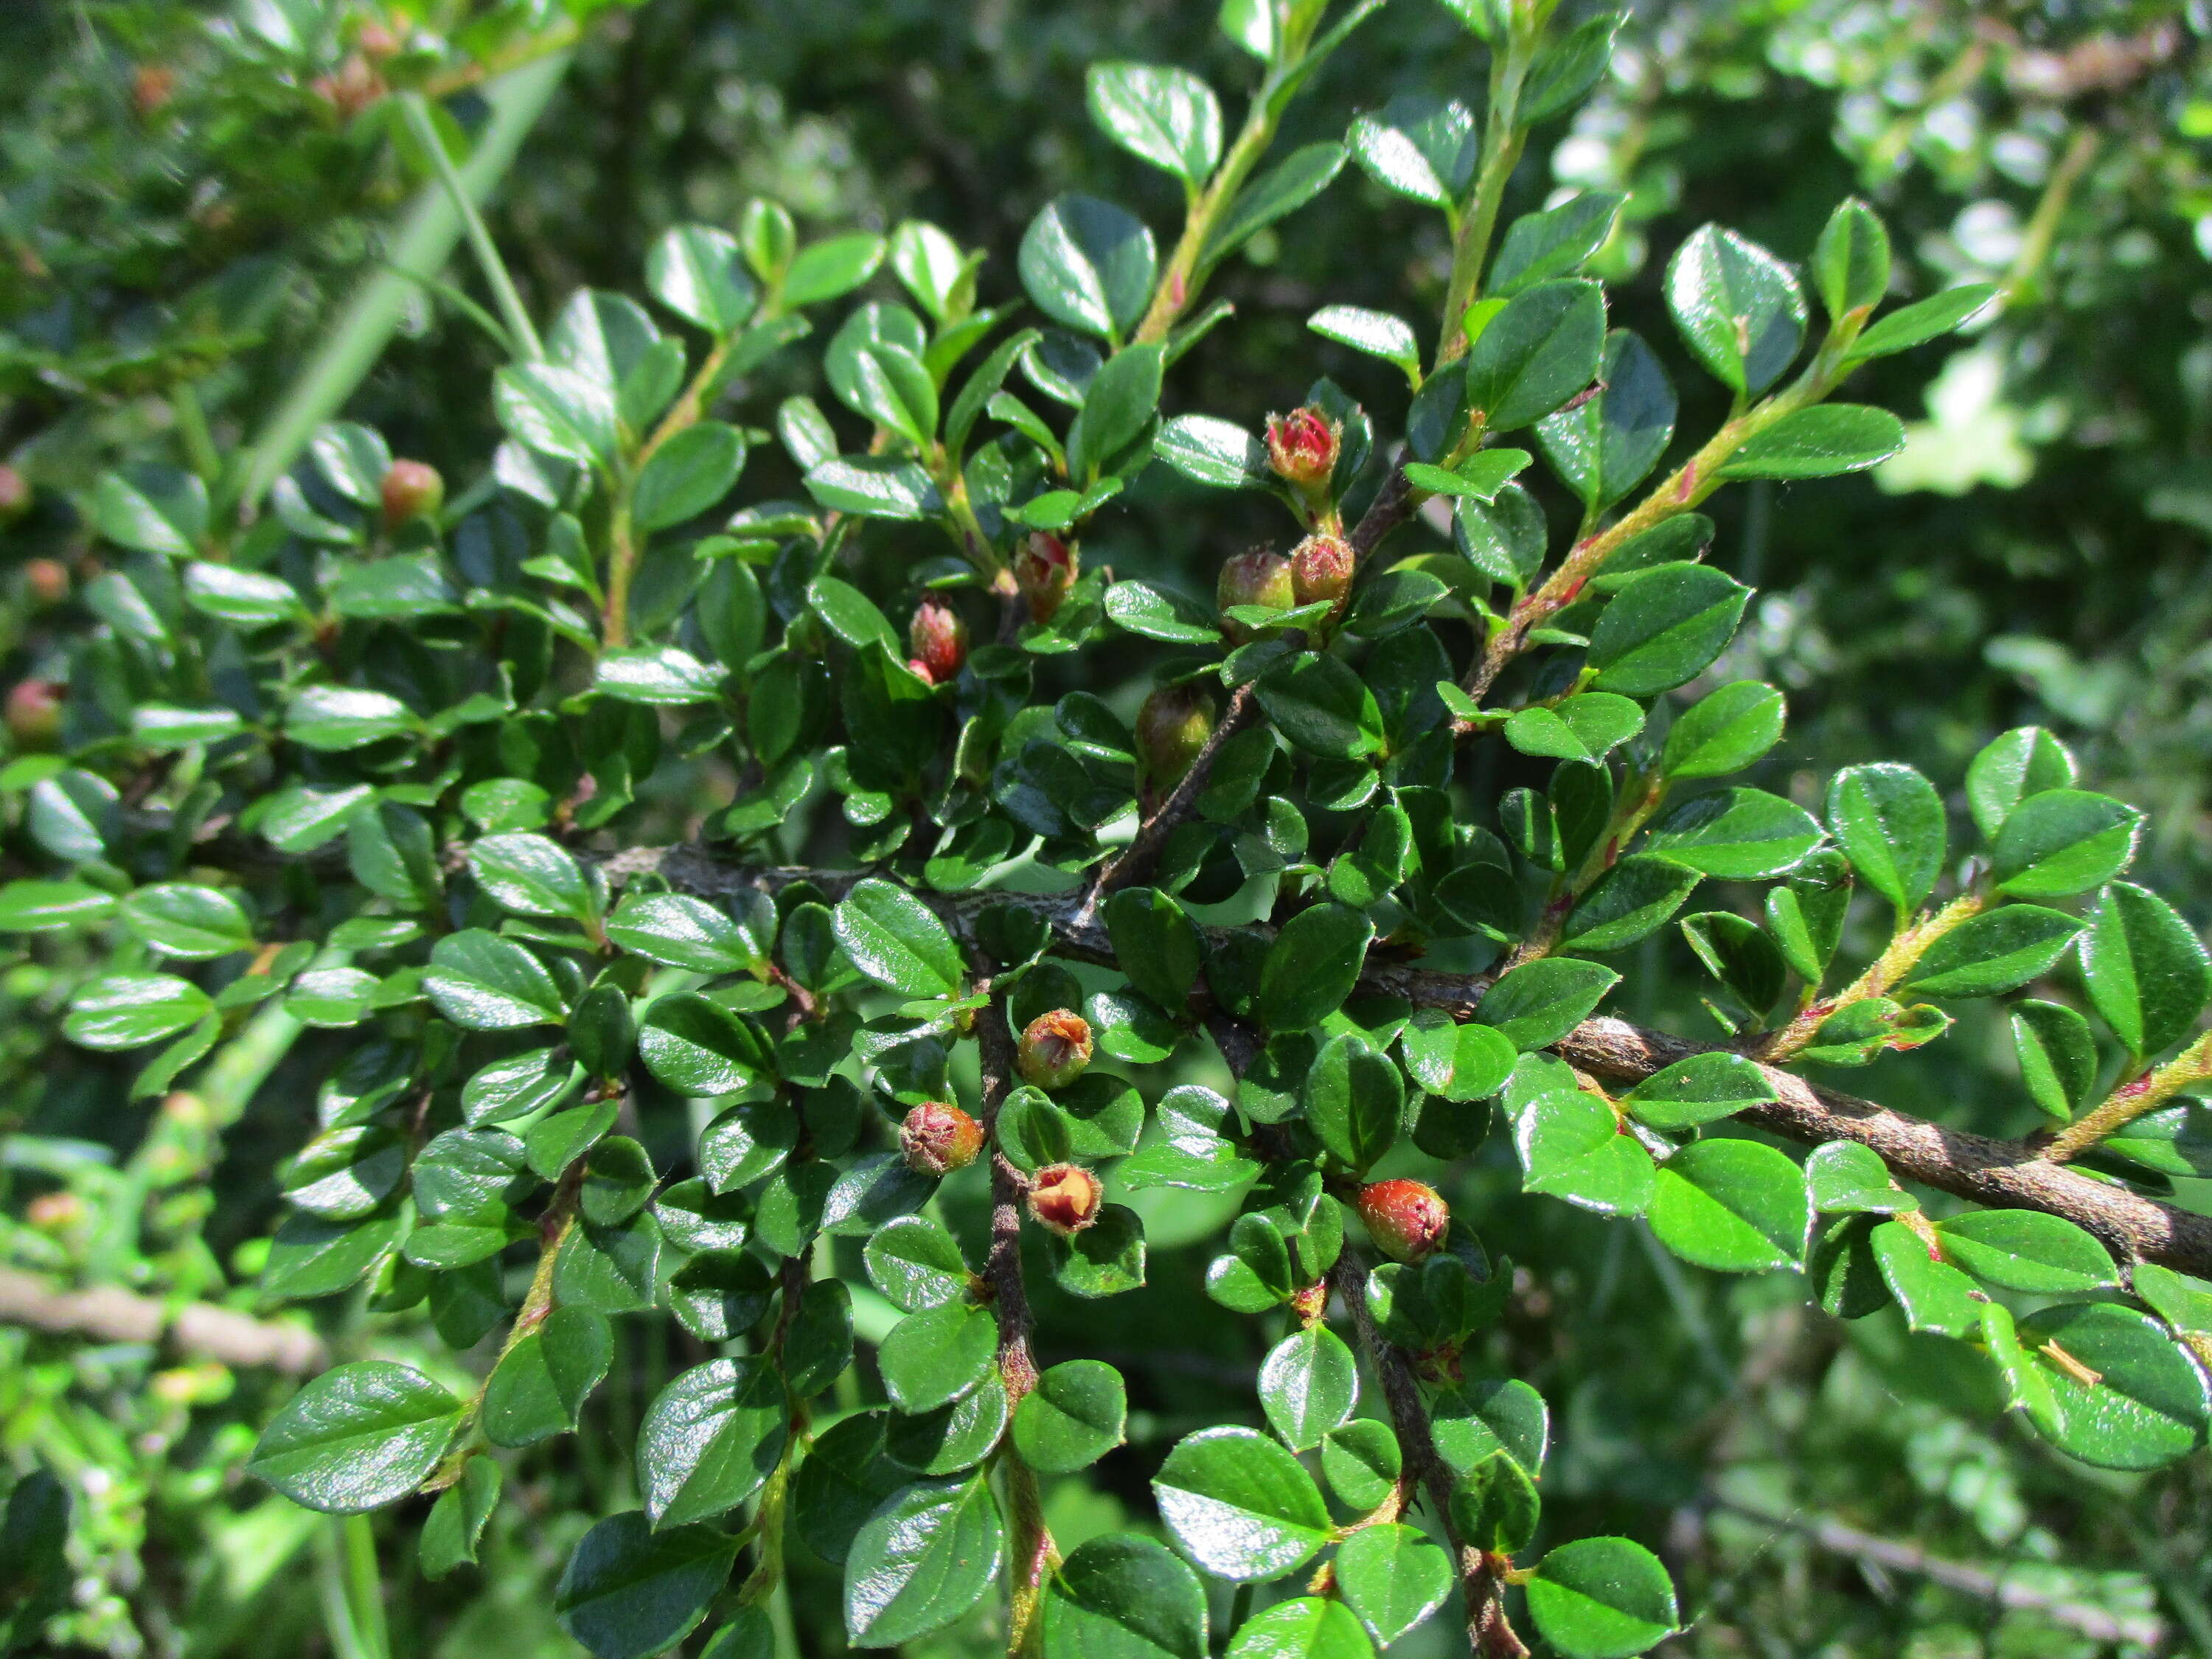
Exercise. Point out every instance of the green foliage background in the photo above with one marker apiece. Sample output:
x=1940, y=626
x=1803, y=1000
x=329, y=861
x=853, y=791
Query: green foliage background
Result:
x=2037, y=555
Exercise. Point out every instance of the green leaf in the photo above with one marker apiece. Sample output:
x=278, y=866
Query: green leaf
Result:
x=1475, y=1419
x=1477, y=478
x=482, y=982
x=1664, y=628
x=897, y=941
x=1124, y=1597
x=1105, y=1258
x=710, y=1439
x=1632, y=901
x=1542, y=349
x=1699, y=1089
x=2183, y=1301
x=1556, y=242
x=51, y=907
x=1820, y=442
x=1459, y=1062
x=699, y=1049
x=1309, y=1384
x=687, y=475
x=1735, y=1206
x=1282, y=190
x=916, y=1263
x=1312, y=966
x=1089, y=264
x=1322, y=707
x=1308, y=1627
x=1077, y=1412
x=1935, y=1295
x=1361, y=1462
x=658, y=677
x=457, y=1520
x=151, y=508
x=558, y=411
x=874, y=487
x=1850, y=262
x=530, y=876
x=1117, y=406
x=1739, y=309
x=356, y=1438
x=1214, y=451
x=2147, y=972
x=1495, y=1506
x=1377, y=333
x=1844, y=1176
x=1889, y=821
x=178, y=919
x=680, y=932
x=1572, y=1148
x=699, y=273
x=2148, y=1405
x=2063, y=841
x=1922, y=321
x=1393, y=1576
x=1581, y=728
x=1156, y=944
x=832, y=268
x=2024, y=762
x=1990, y=954
x=1353, y=1099
x=2027, y=1250
x=1601, y=1598
x=540, y=1384
x=1567, y=67
x=1420, y=146
x=922, y=1559
x=1240, y=1505
x=628, y=1591
x=332, y=718
x=1540, y=1002
x=2057, y=1056
x=127, y=1010
x=937, y=1355
x=1608, y=443
x=1165, y=115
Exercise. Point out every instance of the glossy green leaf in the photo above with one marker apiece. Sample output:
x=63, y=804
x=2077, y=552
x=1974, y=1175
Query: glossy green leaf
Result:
x=1165, y=115
x=1820, y=442
x=1699, y=1090
x=1664, y=628
x=1542, y=349
x=1601, y=1598
x=2061, y=842
x=1889, y=821
x=1309, y=1384
x=924, y=1557
x=356, y=1438
x=938, y=1354
x=2027, y=1250
x=628, y=1591
x=2147, y=972
x=1734, y=1205
x=1312, y=966
x=1241, y=1507
x=1124, y=1597
x=1393, y=1576
x=1076, y=1414
x=1540, y=1002
x=1738, y=307
x=709, y=1439
x=1088, y=264
x=1996, y=952
x=2148, y=1405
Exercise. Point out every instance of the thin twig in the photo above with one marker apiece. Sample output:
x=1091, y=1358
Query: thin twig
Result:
x=110, y=1314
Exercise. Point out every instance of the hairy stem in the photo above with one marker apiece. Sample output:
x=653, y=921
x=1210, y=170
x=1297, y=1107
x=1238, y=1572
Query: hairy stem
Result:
x=2132, y=1099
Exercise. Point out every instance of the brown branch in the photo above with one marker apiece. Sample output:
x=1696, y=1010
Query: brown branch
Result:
x=2003, y=1174
x=1488, y=1630
x=114, y=1314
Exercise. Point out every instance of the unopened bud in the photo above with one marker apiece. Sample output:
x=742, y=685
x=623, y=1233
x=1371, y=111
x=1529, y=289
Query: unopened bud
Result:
x=1302, y=448
x=34, y=712
x=1055, y=1050
x=1044, y=570
x=412, y=488
x=351, y=90
x=46, y=580
x=938, y=1138
x=1405, y=1220
x=151, y=87
x=55, y=1211
x=1065, y=1198
x=1258, y=578
x=377, y=42
x=14, y=494
x=938, y=639
x=1172, y=727
x=1320, y=569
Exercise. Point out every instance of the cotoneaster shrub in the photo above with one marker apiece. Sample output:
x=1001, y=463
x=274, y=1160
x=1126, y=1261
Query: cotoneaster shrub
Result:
x=1333, y=902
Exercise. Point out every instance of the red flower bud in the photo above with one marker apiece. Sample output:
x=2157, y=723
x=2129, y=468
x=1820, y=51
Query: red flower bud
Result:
x=412, y=488
x=46, y=580
x=1258, y=578
x=1405, y=1220
x=938, y=639
x=1055, y=1050
x=1044, y=570
x=151, y=87
x=1320, y=569
x=351, y=90
x=937, y=1138
x=1172, y=727
x=34, y=712
x=378, y=43
x=14, y=494
x=1065, y=1198
x=1302, y=448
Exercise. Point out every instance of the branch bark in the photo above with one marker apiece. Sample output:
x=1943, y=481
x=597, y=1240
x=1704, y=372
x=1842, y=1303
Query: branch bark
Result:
x=114, y=1314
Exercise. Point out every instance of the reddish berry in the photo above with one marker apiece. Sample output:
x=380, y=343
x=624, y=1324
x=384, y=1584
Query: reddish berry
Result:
x=1258, y=578
x=938, y=639
x=34, y=712
x=1320, y=569
x=1044, y=570
x=14, y=494
x=1302, y=448
x=377, y=42
x=1065, y=1198
x=46, y=580
x=1055, y=1050
x=1405, y=1220
x=412, y=488
x=152, y=85
x=938, y=1138
x=1172, y=727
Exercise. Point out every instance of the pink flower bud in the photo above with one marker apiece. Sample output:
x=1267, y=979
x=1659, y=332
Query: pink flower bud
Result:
x=1258, y=578
x=1405, y=1220
x=937, y=1138
x=412, y=488
x=46, y=580
x=1065, y=1198
x=938, y=639
x=1172, y=727
x=34, y=712
x=1044, y=570
x=1302, y=448
x=1055, y=1050
x=1320, y=569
